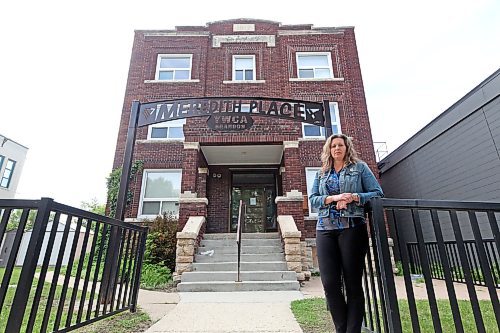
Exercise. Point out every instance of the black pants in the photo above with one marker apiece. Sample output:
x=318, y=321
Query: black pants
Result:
x=342, y=253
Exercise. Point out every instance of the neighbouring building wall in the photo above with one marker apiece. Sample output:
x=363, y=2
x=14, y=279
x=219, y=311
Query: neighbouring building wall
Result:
x=12, y=157
x=455, y=157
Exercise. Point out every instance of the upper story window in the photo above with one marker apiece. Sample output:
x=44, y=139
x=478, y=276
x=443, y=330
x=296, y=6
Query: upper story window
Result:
x=313, y=131
x=7, y=173
x=168, y=130
x=314, y=65
x=243, y=68
x=173, y=67
x=160, y=192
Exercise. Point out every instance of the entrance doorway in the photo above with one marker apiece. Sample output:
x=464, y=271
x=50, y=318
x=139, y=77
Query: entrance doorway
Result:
x=258, y=192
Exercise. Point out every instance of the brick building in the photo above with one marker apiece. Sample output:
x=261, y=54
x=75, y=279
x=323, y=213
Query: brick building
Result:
x=192, y=169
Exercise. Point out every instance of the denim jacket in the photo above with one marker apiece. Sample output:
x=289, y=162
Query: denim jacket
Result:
x=354, y=178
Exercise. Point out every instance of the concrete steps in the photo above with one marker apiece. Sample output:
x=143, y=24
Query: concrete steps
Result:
x=262, y=266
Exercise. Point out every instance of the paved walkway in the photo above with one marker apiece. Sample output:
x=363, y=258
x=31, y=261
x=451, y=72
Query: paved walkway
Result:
x=257, y=312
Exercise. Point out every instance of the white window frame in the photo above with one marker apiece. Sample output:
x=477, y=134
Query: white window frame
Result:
x=173, y=55
x=143, y=189
x=334, y=110
x=309, y=183
x=243, y=56
x=10, y=175
x=168, y=124
x=330, y=67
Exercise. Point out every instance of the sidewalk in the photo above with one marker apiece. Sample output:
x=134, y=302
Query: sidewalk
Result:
x=210, y=312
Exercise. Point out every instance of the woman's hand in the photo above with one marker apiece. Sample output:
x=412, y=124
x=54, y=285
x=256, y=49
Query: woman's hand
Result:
x=341, y=205
x=347, y=197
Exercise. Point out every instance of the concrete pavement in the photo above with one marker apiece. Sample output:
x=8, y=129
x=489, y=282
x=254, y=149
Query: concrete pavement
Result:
x=210, y=312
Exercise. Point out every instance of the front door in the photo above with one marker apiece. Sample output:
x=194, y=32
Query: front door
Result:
x=260, y=214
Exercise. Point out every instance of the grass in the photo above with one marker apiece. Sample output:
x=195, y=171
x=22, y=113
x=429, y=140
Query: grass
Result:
x=313, y=317
x=6, y=308
x=125, y=322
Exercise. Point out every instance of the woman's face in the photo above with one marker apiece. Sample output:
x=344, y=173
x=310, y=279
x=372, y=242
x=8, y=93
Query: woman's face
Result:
x=338, y=149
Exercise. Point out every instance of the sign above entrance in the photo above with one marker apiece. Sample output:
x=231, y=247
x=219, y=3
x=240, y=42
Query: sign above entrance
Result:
x=232, y=110
x=229, y=122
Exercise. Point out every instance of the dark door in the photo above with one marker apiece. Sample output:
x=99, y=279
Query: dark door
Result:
x=260, y=214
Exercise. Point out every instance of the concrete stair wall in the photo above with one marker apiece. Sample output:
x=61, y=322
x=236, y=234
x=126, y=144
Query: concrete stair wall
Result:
x=262, y=266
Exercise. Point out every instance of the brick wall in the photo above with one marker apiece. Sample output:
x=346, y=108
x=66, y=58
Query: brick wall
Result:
x=211, y=66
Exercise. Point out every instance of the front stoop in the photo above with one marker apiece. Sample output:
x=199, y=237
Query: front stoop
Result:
x=262, y=266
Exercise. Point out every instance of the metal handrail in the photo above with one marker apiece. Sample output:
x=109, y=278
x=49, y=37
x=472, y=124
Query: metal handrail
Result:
x=238, y=237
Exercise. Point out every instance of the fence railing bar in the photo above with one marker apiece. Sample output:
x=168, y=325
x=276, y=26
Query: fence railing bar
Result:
x=134, y=270
x=93, y=216
x=19, y=203
x=126, y=294
x=11, y=261
x=384, y=261
x=43, y=273
x=495, y=231
x=88, y=271
x=485, y=267
x=140, y=256
x=404, y=251
x=467, y=273
x=442, y=204
x=491, y=263
x=62, y=300
x=495, y=262
x=57, y=270
x=78, y=273
x=124, y=266
x=19, y=304
x=5, y=213
x=104, y=239
x=445, y=264
x=117, y=271
x=369, y=313
x=372, y=285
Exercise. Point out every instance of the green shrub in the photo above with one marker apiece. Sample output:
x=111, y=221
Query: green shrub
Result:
x=155, y=276
x=161, y=241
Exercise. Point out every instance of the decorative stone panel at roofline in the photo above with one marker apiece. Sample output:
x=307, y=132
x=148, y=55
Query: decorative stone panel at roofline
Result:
x=270, y=40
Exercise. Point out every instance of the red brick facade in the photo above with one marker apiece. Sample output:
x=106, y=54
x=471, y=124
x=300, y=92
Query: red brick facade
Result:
x=275, y=77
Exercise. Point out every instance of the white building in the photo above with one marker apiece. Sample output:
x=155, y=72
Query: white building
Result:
x=12, y=157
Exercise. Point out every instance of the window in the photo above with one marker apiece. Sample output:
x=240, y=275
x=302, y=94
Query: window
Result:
x=1, y=161
x=313, y=131
x=173, y=67
x=7, y=173
x=160, y=192
x=314, y=65
x=168, y=130
x=244, y=68
x=310, y=174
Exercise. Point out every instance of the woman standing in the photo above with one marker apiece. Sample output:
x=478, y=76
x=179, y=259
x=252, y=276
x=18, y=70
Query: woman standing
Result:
x=340, y=190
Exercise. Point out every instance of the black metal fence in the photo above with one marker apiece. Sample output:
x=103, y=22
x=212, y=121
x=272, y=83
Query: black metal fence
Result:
x=391, y=309
x=453, y=257
x=51, y=275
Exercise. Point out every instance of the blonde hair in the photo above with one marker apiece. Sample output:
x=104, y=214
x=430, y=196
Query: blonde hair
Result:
x=351, y=156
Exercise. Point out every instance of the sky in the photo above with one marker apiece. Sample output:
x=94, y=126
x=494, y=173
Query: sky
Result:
x=64, y=66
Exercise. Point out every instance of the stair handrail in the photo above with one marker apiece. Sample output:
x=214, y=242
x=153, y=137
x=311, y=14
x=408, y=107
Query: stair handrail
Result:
x=238, y=237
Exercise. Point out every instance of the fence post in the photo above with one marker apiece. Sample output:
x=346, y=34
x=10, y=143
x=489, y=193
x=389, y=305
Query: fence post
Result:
x=386, y=275
x=19, y=304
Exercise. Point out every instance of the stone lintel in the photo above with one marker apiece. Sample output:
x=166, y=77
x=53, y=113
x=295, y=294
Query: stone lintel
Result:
x=290, y=144
x=192, y=145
